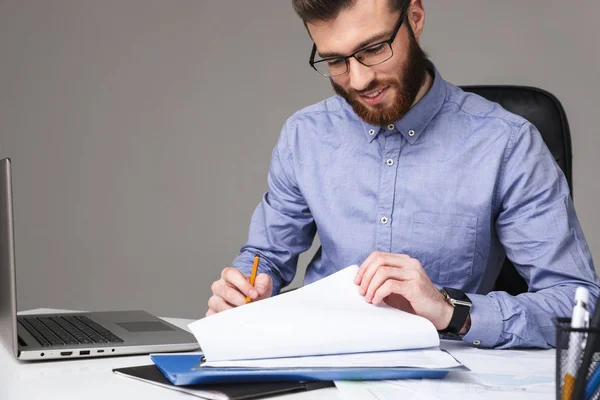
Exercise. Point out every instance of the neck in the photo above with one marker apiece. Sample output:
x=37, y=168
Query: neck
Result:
x=427, y=82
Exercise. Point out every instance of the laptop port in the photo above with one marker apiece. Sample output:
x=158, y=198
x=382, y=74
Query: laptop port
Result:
x=66, y=353
x=84, y=352
x=100, y=351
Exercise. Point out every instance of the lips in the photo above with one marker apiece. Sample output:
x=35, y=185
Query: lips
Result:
x=375, y=96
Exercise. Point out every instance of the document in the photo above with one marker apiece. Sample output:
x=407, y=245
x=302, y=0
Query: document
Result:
x=494, y=374
x=524, y=363
x=326, y=317
x=427, y=358
x=456, y=385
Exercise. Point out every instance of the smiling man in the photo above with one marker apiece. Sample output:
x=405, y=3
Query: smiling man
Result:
x=426, y=187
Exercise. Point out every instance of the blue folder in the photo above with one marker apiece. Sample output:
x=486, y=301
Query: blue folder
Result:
x=181, y=370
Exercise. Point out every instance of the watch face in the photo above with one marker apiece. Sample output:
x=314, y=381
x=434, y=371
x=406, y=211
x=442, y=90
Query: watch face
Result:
x=457, y=294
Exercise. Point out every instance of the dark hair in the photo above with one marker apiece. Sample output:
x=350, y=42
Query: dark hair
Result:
x=325, y=10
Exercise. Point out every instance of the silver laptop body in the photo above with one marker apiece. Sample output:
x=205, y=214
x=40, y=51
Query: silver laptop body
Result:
x=72, y=335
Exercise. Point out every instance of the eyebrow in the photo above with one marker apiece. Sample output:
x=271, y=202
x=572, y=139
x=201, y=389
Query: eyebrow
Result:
x=364, y=43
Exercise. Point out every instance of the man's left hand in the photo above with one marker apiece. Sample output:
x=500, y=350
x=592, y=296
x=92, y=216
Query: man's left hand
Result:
x=401, y=282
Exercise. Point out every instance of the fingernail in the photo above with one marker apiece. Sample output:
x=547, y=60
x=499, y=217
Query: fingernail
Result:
x=356, y=279
x=253, y=293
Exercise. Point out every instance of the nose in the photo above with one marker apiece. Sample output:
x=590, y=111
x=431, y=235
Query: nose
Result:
x=360, y=75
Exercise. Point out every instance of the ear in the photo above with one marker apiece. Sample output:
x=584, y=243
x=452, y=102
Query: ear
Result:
x=416, y=17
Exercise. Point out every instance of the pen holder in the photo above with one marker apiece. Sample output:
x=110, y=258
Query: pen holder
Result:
x=569, y=351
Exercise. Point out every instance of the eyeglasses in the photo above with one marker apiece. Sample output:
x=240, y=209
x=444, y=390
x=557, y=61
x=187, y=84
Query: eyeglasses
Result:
x=371, y=55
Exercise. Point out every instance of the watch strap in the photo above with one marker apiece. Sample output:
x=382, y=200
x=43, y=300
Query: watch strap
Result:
x=459, y=315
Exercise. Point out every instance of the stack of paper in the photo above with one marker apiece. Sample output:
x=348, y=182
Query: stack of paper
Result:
x=325, y=324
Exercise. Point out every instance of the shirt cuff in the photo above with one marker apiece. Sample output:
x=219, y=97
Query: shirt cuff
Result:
x=243, y=263
x=486, y=322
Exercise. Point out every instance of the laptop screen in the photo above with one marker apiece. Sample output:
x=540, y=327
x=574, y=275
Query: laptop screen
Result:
x=8, y=292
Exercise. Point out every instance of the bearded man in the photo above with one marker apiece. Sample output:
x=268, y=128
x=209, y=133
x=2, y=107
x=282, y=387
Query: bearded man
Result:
x=426, y=187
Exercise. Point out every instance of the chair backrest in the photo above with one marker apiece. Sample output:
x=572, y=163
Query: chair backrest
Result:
x=546, y=112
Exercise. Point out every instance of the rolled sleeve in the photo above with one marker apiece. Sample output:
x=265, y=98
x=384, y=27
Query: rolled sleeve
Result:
x=282, y=226
x=486, y=321
x=541, y=235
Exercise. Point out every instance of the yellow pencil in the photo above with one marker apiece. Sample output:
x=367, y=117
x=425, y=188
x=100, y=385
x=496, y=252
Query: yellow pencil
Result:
x=568, y=386
x=253, y=275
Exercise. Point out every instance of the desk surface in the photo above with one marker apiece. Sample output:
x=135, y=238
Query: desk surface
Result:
x=70, y=379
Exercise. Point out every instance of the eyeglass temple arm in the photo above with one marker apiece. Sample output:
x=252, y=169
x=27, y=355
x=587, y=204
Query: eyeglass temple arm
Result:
x=312, y=54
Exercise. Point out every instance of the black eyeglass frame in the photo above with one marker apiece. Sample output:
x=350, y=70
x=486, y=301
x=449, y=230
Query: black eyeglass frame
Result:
x=389, y=42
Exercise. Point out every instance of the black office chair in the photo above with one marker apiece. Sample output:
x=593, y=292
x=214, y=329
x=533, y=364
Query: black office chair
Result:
x=544, y=111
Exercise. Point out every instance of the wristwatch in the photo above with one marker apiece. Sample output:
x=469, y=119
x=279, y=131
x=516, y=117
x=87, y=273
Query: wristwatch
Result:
x=462, y=306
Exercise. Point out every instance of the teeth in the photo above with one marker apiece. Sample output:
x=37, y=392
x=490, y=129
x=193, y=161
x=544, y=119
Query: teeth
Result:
x=374, y=94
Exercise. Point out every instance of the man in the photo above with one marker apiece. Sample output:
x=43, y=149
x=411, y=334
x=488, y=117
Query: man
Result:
x=421, y=184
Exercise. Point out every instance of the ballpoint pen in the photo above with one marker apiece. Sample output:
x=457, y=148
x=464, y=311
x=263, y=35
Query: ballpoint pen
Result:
x=593, y=383
x=579, y=320
x=592, y=343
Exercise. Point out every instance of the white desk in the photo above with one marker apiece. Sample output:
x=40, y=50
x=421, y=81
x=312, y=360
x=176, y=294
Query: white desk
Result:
x=94, y=379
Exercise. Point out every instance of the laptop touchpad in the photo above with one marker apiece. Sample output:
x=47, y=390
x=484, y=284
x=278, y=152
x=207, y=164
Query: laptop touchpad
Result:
x=144, y=326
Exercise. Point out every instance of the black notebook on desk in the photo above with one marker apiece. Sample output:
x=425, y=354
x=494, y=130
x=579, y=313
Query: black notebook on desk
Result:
x=239, y=391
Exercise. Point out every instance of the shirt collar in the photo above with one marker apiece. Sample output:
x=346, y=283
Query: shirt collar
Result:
x=412, y=125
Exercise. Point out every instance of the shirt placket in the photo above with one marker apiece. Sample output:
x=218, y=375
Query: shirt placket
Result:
x=390, y=153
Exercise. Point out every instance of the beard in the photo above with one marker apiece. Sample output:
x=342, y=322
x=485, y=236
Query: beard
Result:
x=407, y=83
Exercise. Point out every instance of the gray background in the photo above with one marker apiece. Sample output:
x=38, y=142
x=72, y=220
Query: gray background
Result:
x=141, y=131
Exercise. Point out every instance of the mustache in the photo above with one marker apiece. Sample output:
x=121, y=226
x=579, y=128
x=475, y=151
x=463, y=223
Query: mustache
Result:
x=369, y=88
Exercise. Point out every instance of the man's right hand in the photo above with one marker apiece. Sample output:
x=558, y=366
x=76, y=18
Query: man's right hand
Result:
x=231, y=290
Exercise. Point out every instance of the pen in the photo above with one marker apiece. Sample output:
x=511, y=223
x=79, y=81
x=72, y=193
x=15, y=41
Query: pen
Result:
x=578, y=320
x=588, y=355
x=593, y=383
x=253, y=275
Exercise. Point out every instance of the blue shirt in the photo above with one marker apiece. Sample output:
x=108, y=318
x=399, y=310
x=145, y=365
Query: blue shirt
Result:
x=457, y=183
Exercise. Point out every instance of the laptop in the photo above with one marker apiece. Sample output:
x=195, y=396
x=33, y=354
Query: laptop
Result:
x=72, y=335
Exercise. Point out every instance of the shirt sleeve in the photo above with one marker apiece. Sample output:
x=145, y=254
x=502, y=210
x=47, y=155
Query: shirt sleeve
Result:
x=282, y=226
x=541, y=234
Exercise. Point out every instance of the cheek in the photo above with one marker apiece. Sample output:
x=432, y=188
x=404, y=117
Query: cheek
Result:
x=391, y=75
x=343, y=82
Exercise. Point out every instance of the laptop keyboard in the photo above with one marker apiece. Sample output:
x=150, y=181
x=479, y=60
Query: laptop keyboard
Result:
x=67, y=330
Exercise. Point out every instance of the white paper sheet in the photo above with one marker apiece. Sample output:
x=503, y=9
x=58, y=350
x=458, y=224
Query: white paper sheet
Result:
x=534, y=362
x=428, y=358
x=495, y=375
x=457, y=385
x=326, y=317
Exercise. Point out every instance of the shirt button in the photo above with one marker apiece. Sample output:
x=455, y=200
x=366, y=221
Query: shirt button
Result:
x=391, y=127
x=390, y=162
x=411, y=133
x=371, y=132
x=384, y=220
x=476, y=342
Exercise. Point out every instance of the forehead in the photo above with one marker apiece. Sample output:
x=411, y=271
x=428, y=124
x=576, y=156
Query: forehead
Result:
x=361, y=21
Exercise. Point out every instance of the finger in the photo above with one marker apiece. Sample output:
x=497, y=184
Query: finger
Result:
x=380, y=259
x=218, y=304
x=209, y=313
x=389, y=287
x=230, y=294
x=235, y=277
x=385, y=273
x=363, y=267
x=263, y=284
